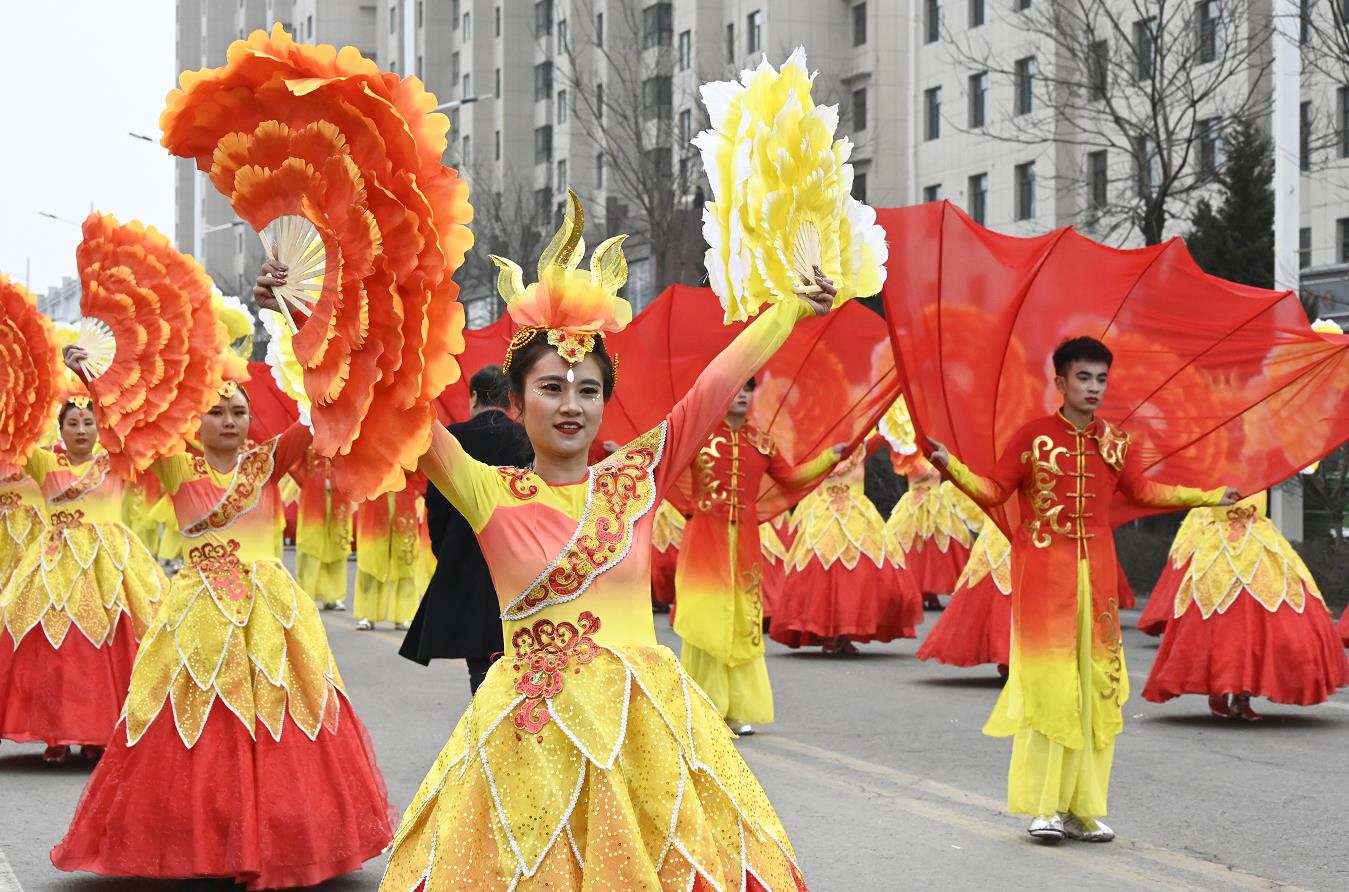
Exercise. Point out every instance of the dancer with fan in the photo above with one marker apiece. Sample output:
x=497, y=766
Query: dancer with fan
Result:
x=1247, y=619
x=235, y=680
x=840, y=588
x=932, y=527
x=1062, y=702
x=719, y=576
x=84, y=589
x=589, y=710
x=323, y=533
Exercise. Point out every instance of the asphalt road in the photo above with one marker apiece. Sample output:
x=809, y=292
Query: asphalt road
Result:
x=881, y=776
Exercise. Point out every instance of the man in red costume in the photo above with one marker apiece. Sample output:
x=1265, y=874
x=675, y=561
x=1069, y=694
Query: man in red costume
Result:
x=719, y=576
x=1062, y=703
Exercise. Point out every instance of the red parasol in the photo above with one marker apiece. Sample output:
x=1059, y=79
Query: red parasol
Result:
x=1218, y=383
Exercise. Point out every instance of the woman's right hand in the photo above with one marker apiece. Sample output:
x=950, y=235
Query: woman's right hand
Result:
x=74, y=355
x=273, y=274
x=938, y=455
x=821, y=301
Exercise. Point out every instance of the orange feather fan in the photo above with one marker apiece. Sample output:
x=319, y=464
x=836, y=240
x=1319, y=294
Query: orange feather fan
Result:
x=29, y=372
x=288, y=131
x=165, y=369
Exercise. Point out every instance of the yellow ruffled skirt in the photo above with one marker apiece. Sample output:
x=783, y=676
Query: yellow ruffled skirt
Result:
x=20, y=527
x=602, y=768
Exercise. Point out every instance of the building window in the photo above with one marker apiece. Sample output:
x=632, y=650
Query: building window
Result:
x=562, y=175
x=419, y=66
x=932, y=113
x=932, y=193
x=1145, y=48
x=393, y=16
x=1210, y=146
x=496, y=145
x=1148, y=163
x=1304, y=247
x=454, y=68
x=657, y=25
x=1024, y=83
x=309, y=20
x=561, y=36
x=685, y=50
x=467, y=89
x=657, y=98
x=1098, y=180
x=599, y=171
x=931, y=21
x=543, y=144
x=468, y=26
x=730, y=43
x=685, y=126
x=1344, y=115
x=543, y=81
x=859, y=24
x=562, y=106
x=1098, y=69
x=599, y=103
x=543, y=18
x=496, y=84
x=661, y=162
x=753, y=32
x=682, y=183
x=859, y=110
x=977, y=13
x=979, y=198
x=1305, y=21
x=979, y=99
x=467, y=152
x=1021, y=5
x=543, y=200
x=1208, y=19
x=1304, y=149
x=859, y=186
x=497, y=17
x=1342, y=227
x=1025, y=191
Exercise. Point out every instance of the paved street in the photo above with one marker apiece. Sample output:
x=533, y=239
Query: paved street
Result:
x=884, y=782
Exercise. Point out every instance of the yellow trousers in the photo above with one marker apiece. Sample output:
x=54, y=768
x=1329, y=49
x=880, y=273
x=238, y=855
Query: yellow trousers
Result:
x=741, y=693
x=380, y=601
x=324, y=581
x=1046, y=777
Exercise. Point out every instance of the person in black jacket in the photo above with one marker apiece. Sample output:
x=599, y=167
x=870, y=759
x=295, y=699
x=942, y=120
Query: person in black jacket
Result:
x=459, y=616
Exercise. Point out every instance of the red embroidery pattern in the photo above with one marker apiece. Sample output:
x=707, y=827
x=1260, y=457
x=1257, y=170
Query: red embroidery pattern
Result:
x=89, y=481
x=9, y=501
x=405, y=531
x=60, y=522
x=255, y=469
x=840, y=497
x=543, y=652
x=220, y=566
x=518, y=481
x=619, y=484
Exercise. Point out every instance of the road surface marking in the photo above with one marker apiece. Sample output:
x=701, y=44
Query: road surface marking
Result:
x=8, y=881
x=808, y=759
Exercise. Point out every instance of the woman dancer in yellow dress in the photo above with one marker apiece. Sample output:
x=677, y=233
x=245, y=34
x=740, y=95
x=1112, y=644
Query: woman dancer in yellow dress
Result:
x=588, y=758
x=23, y=518
x=76, y=605
x=391, y=548
x=239, y=754
x=322, y=533
x=930, y=528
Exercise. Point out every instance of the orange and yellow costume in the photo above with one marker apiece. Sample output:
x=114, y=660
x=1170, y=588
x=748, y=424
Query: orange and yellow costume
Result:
x=720, y=574
x=1062, y=702
x=23, y=518
x=322, y=531
x=392, y=549
x=234, y=680
x=667, y=537
x=82, y=595
x=589, y=758
x=932, y=527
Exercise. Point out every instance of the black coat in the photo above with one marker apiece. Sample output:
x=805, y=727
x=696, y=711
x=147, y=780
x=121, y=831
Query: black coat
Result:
x=459, y=615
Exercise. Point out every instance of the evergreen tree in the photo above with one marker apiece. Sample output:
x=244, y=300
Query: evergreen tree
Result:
x=1235, y=239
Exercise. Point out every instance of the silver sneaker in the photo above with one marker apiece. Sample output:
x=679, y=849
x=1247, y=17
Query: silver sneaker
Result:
x=1048, y=829
x=1086, y=829
x=402, y=627
x=364, y=625
x=743, y=730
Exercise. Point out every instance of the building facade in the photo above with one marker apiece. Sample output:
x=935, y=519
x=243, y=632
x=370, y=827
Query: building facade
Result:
x=943, y=99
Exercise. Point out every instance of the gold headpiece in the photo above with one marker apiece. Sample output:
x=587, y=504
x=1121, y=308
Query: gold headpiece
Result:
x=80, y=401
x=573, y=306
x=227, y=388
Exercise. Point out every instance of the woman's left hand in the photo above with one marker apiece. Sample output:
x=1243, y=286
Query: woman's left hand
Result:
x=821, y=301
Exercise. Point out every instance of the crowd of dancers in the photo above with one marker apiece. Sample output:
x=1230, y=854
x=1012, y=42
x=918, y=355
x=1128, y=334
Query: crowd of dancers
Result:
x=149, y=624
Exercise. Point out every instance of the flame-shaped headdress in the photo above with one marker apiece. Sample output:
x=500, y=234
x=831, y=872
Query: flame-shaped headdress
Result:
x=573, y=306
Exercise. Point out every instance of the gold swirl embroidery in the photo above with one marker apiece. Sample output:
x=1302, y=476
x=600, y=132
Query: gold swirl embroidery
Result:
x=753, y=582
x=1114, y=648
x=1044, y=458
x=1113, y=444
x=710, y=491
x=89, y=481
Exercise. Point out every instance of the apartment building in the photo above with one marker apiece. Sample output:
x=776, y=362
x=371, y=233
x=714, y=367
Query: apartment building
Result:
x=938, y=97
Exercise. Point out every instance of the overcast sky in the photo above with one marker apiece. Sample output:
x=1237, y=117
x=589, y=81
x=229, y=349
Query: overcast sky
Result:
x=75, y=76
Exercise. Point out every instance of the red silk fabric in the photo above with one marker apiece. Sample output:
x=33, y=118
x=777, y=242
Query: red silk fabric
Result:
x=271, y=409
x=830, y=383
x=482, y=347
x=1217, y=383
